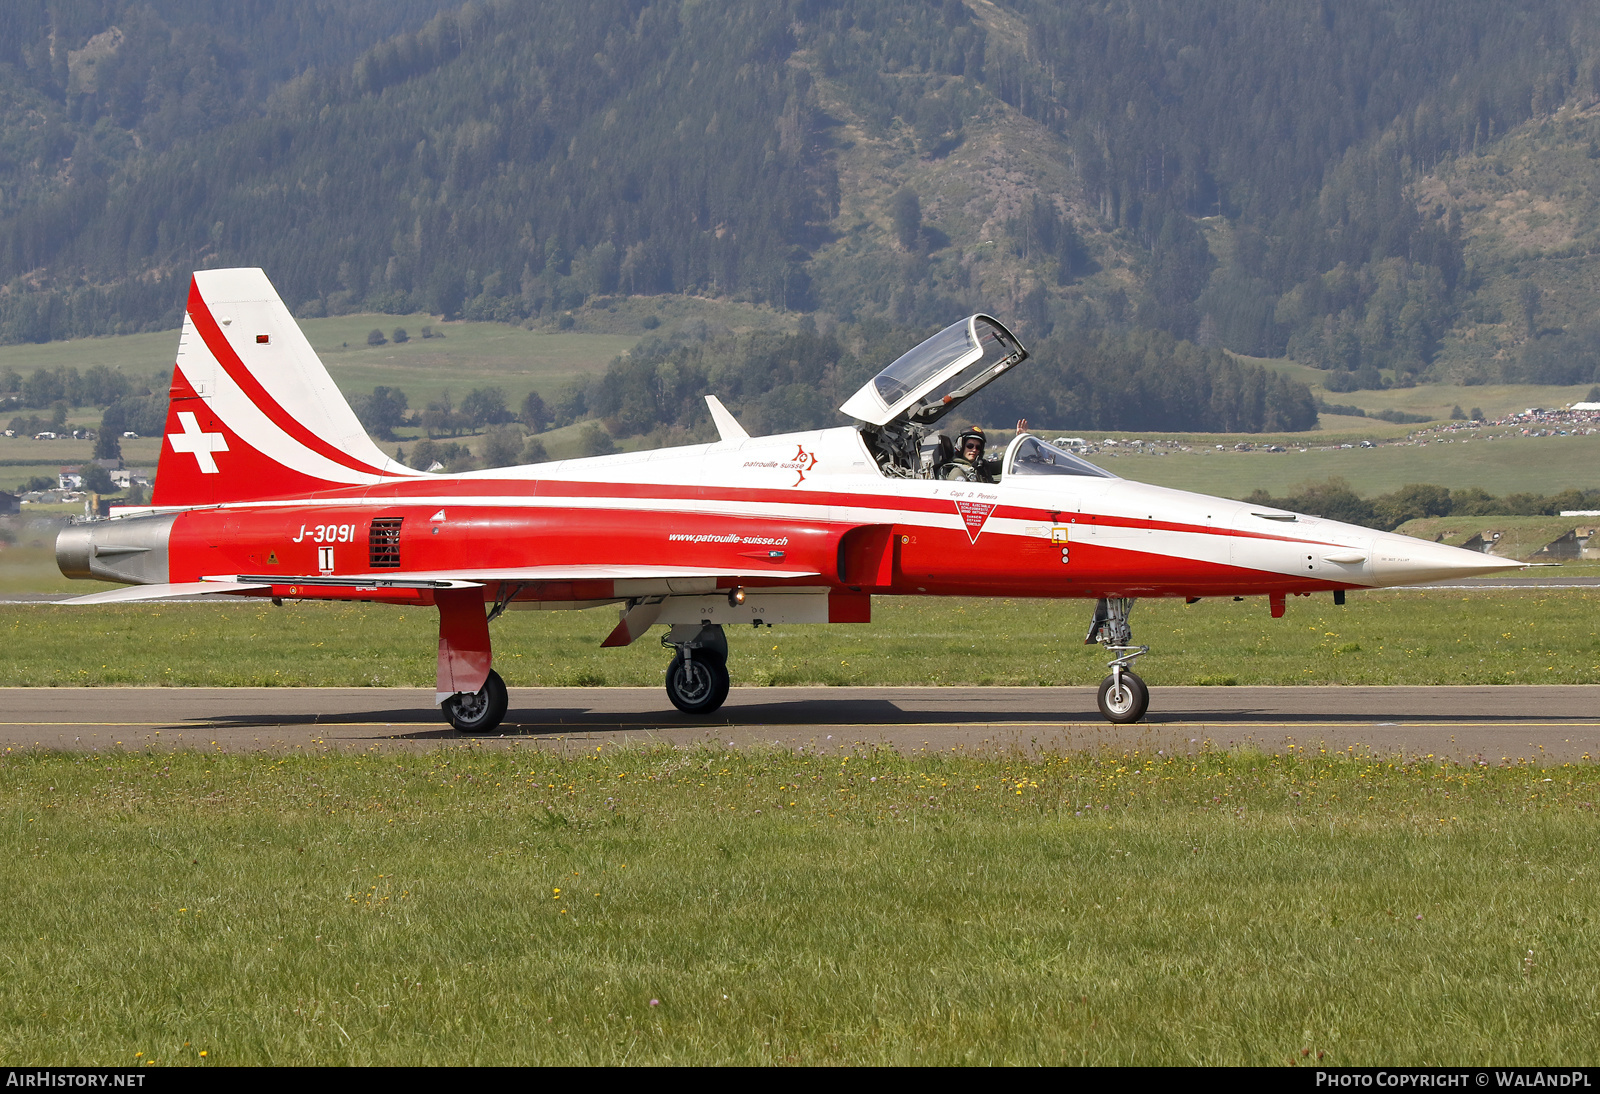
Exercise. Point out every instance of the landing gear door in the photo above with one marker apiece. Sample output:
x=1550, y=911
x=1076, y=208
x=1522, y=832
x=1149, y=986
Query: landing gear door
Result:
x=927, y=382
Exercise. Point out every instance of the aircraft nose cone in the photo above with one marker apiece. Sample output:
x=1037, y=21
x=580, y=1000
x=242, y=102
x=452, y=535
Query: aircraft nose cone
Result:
x=1402, y=560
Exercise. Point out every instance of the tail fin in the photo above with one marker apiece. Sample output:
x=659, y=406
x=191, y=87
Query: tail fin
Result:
x=253, y=412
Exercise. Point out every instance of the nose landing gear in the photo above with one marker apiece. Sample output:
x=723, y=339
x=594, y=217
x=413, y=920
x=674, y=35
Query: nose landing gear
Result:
x=1123, y=697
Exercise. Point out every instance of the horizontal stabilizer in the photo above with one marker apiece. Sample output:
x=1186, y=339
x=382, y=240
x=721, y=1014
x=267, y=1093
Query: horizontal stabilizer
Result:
x=161, y=592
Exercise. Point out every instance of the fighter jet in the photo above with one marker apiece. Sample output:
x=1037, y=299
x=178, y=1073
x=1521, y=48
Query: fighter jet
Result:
x=269, y=487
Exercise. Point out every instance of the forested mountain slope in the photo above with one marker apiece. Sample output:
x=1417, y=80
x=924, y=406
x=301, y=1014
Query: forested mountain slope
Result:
x=1270, y=176
x=1530, y=213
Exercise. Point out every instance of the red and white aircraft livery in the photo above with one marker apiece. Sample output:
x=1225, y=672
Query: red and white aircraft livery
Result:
x=268, y=486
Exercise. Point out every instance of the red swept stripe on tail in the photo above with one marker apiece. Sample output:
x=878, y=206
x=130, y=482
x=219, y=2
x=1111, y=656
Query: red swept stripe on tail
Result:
x=253, y=413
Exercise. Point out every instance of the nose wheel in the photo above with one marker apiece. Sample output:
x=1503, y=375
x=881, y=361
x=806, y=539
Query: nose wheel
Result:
x=1123, y=697
x=481, y=712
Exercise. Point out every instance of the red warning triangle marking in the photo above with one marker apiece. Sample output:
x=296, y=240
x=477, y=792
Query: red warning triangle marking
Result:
x=974, y=514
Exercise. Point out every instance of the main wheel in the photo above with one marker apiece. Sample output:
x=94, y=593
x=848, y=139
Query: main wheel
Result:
x=699, y=685
x=480, y=713
x=1126, y=703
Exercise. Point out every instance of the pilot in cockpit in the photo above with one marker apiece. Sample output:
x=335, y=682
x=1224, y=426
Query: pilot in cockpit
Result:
x=969, y=464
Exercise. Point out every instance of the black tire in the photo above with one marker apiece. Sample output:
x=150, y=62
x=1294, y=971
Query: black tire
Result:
x=480, y=713
x=1127, y=704
x=698, y=685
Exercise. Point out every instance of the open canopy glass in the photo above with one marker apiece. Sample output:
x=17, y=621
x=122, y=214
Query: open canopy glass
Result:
x=927, y=382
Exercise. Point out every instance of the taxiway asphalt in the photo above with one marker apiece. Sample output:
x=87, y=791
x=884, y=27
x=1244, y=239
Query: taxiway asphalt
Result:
x=1492, y=724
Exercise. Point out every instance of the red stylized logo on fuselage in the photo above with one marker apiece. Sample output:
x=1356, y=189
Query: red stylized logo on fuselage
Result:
x=803, y=461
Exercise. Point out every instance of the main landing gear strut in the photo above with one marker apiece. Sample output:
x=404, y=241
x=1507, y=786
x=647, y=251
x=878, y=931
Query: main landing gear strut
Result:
x=1123, y=696
x=697, y=678
x=470, y=692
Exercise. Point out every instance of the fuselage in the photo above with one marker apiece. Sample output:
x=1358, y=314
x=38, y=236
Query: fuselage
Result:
x=814, y=503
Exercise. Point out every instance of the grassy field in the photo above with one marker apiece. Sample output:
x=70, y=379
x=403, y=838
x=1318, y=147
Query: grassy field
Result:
x=1534, y=637
x=670, y=906
x=466, y=355
x=1434, y=400
x=1507, y=464
x=471, y=355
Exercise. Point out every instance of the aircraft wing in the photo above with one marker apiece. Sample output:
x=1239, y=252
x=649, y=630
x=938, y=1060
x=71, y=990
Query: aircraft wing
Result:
x=437, y=579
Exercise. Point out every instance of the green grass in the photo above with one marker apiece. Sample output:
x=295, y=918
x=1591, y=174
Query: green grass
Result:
x=1507, y=464
x=1433, y=399
x=468, y=355
x=675, y=906
x=137, y=355
x=1441, y=637
x=471, y=355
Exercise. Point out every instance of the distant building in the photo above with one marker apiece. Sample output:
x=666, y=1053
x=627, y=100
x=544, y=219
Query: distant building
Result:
x=1588, y=546
x=1567, y=546
x=70, y=478
x=10, y=504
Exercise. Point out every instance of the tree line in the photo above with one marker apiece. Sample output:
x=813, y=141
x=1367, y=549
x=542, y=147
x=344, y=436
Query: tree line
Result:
x=779, y=382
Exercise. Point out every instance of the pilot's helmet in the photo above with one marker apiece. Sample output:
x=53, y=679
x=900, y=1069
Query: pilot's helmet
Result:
x=971, y=433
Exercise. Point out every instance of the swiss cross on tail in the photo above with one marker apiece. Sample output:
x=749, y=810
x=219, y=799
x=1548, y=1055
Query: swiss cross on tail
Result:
x=198, y=442
x=974, y=514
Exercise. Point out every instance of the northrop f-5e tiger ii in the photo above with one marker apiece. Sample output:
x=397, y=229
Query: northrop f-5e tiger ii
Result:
x=269, y=487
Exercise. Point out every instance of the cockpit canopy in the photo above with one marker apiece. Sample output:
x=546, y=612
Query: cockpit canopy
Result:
x=1030, y=455
x=927, y=382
